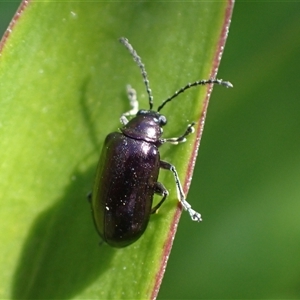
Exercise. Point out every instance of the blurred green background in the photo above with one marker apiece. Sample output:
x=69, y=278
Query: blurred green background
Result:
x=246, y=181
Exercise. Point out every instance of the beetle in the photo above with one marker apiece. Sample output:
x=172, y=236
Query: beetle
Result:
x=128, y=168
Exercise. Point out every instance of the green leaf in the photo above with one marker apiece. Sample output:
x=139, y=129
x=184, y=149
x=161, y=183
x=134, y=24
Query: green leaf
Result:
x=62, y=90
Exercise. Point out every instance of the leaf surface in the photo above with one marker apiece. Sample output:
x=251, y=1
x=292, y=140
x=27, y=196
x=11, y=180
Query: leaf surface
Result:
x=62, y=90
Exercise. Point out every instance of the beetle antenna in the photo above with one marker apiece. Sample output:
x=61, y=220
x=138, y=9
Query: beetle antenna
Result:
x=189, y=85
x=138, y=60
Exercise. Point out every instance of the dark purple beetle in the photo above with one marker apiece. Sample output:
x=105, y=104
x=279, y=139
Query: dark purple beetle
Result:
x=128, y=169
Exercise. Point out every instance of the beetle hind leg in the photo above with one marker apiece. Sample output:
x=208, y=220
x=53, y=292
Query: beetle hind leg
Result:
x=160, y=190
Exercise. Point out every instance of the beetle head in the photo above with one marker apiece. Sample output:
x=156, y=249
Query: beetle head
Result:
x=146, y=125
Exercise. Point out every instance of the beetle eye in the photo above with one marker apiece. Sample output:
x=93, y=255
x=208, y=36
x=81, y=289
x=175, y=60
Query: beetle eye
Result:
x=162, y=120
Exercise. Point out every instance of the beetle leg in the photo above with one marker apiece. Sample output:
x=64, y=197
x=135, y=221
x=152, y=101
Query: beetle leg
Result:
x=131, y=94
x=190, y=129
x=195, y=216
x=124, y=120
x=160, y=190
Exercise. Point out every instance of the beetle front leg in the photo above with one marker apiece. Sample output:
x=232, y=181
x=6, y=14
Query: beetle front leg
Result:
x=131, y=94
x=195, y=216
x=190, y=129
x=160, y=190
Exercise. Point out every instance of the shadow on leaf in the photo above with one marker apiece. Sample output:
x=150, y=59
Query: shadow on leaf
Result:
x=61, y=257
